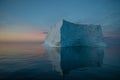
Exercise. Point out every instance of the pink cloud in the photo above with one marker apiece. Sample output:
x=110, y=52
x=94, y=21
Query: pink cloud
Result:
x=111, y=35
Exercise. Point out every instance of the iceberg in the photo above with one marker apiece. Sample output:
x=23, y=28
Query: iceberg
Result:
x=66, y=34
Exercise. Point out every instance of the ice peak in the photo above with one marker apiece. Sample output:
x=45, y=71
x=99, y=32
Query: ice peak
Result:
x=61, y=22
x=64, y=21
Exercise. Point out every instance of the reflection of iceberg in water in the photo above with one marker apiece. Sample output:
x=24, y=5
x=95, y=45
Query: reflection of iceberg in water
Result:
x=80, y=57
x=53, y=55
x=65, y=59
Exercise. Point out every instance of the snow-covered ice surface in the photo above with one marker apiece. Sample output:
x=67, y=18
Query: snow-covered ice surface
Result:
x=66, y=34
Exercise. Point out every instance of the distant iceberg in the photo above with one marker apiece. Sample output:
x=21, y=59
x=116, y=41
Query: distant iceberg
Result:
x=66, y=34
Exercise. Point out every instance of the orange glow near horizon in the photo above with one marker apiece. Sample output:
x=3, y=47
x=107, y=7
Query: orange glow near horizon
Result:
x=22, y=37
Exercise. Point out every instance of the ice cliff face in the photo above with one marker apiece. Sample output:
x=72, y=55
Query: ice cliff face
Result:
x=66, y=34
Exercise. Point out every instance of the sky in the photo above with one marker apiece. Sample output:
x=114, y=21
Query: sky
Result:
x=29, y=20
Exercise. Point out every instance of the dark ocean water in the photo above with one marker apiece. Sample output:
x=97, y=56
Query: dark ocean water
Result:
x=32, y=61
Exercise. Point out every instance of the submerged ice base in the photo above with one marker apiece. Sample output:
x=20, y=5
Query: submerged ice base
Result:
x=66, y=34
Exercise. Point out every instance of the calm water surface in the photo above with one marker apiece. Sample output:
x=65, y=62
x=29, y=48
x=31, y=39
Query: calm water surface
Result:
x=32, y=61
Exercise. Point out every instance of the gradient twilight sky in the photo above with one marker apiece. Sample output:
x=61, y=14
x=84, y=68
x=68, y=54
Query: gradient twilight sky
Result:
x=28, y=20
